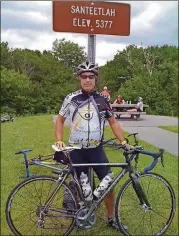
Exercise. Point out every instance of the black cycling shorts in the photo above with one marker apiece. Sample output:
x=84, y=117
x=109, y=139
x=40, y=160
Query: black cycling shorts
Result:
x=91, y=155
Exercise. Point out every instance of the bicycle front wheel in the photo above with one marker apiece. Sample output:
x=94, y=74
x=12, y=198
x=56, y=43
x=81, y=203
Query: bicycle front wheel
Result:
x=24, y=208
x=134, y=218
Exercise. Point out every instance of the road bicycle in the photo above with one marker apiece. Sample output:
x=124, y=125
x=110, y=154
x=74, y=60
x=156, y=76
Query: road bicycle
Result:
x=145, y=203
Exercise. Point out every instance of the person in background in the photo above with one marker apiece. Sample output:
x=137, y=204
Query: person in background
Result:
x=139, y=106
x=105, y=93
x=119, y=100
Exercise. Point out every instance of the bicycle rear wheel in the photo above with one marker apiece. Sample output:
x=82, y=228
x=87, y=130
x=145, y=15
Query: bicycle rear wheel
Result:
x=134, y=218
x=26, y=202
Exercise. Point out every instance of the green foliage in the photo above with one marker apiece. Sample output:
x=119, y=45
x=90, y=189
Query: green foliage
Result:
x=45, y=78
x=15, y=88
x=151, y=73
x=33, y=82
x=68, y=52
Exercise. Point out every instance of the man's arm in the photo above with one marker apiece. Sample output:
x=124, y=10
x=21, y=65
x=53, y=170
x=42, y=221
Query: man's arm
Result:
x=59, y=128
x=117, y=131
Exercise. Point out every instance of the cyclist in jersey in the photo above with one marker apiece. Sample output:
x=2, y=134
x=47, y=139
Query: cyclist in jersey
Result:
x=87, y=111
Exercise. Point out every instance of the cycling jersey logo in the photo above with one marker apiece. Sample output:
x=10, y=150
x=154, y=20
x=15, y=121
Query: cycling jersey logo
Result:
x=86, y=114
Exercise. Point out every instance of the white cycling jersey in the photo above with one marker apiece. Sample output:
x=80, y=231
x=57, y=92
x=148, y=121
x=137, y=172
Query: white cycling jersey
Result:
x=87, y=115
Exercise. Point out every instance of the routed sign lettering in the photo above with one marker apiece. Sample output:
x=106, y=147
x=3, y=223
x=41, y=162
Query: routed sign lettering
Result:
x=91, y=17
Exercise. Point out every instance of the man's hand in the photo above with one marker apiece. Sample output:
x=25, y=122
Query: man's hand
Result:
x=60, y=145
x=127, y=146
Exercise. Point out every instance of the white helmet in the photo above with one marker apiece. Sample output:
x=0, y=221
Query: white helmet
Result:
x=105, y=87
x=87, y=67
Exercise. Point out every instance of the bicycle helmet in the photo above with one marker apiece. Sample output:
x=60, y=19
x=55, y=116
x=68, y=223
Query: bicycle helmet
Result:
x=87, y=67
x=105, y=87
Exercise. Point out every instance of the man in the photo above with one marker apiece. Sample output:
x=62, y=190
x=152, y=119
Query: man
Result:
x=139, y=106
x=87, y=111
x=105, y=93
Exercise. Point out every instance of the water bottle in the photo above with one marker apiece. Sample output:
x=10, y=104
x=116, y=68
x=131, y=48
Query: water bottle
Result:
x=86, y=188
x=103, y=185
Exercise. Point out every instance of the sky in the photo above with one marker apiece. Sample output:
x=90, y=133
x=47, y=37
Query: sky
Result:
x=28, y=24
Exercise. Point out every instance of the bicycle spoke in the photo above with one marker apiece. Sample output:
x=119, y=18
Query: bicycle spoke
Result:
x=22, y=206
x=159, y=215
x=24, y=222
x=127, y=205
x=148, y=186
x=143, y=221
x=29, y=192
x=139, y=225
x=28, y=200
x=139, y=219
x=163, y=207
x=151, y=225
x=41, y=193
x=36, y=229
x=37, y=193
x=31, y=227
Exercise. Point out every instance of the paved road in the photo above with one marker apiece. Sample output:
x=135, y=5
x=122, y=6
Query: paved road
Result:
x=148, y=131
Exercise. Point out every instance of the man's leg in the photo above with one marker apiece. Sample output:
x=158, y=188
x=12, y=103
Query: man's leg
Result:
x=109, y=202
x=76, y=157
x=97, y=155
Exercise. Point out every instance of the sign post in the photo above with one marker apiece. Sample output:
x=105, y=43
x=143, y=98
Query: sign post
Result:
x=91, y=48
x=92, y=18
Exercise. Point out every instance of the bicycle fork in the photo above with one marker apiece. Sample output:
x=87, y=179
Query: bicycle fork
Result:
x=140, y=192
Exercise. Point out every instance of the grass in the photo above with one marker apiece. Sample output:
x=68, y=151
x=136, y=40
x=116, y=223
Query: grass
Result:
x=170, y=128
x=37, y=133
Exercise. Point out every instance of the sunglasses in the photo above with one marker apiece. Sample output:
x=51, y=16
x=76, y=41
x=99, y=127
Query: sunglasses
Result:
x=88, y=76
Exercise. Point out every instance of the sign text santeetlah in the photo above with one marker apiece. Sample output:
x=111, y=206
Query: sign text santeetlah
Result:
x=91, y=17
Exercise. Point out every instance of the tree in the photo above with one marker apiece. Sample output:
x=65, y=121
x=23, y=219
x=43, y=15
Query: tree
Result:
x=151, y=73
x=68, y=52
x=35, y=82
x=15, y=88
x=6, y=58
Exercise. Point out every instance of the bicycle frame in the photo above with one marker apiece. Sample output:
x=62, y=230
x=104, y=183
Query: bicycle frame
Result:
x=70, y=169
x=125, y=166
x=85, y=214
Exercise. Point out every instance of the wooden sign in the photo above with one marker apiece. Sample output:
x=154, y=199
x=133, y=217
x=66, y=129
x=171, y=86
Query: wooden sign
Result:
x=89, y=17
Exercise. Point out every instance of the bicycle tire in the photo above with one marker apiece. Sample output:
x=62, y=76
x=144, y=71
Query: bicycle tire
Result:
x=12, y=202
x=127, y=226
